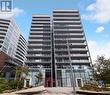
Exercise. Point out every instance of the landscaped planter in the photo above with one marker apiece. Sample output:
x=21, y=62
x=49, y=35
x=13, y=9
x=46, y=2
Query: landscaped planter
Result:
x=88, y=92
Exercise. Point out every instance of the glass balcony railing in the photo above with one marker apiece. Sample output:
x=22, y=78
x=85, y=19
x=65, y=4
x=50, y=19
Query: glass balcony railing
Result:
x=80, y=61
x=40, y=44
x=38, y=61
x=66, y=18
x=67, y=21
x=79, y=54
x=40, y=55
x=62, y=61
x=62, y=34
x=73, y=61
x=65, y=39
x=68, y=29
x=39, y=36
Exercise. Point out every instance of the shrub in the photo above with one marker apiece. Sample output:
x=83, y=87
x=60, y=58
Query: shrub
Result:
x=94, y=87
x=90, y=87
x=15, y=84
x=20, y=84
x=3, y=85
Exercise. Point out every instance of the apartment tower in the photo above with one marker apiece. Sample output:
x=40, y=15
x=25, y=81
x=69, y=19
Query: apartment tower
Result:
x=57, y=47
x=39, y=53
x=12, y=46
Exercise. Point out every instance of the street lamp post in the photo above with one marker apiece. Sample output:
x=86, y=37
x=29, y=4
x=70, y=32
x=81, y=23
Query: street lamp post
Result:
x=72, y=78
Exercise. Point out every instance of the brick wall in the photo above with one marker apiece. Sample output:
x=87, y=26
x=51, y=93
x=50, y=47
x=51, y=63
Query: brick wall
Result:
x=3, y=57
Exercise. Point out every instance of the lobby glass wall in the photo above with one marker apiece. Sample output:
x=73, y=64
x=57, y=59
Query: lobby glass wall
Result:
x=64, y=78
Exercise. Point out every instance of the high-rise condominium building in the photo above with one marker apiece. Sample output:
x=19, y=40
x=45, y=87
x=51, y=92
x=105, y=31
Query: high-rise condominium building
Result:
x=57, y=47
x=12, y=46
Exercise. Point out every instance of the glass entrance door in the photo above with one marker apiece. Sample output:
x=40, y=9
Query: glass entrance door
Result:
x=48, y=78
x=79, y=82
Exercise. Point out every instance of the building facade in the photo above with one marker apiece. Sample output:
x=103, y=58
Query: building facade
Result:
x=12, y=46
x=39, y=53
x=58, y=48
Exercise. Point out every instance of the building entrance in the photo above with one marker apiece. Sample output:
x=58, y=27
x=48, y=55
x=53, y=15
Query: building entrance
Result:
x=79, y=82
x=48, y=81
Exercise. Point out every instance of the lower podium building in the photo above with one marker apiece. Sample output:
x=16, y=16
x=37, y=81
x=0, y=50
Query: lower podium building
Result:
x=57, y=48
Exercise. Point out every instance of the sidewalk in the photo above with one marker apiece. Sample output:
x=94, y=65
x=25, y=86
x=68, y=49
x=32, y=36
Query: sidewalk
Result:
x=27, y=91
x=43, y=91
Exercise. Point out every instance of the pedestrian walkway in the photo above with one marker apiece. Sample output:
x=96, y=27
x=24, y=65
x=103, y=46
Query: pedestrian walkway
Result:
x=43, y=91
x=58, y=91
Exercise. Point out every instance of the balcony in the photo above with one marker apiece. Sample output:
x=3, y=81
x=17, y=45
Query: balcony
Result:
x=40, y=41
x=3, y=25
x=42, y=19
x=40, y=25
x=67, y=22
x=65, y=35
x=78, y=49
x=72, y=55
x=66, y=26
x=38, y=50
x=68, y=34
x=79, y=55
x=77, y=44
x=62, y=61
x=37, y=32
x=71, y=49
x=38, y=56
x=62, y=55
x=31, y=40
x=60, y=49
x=34, y=44
x=70, y=44
x=65, y=14
x=68, y=18
x=39, y=35
x=80, y=61
x=70, y=40
x=2, y=36
x=45, y=22
x=38, y=62
x=2, y=33
x=40, y=29
x=78, y=30
x=75, y=62
x=40, y=46
x=4, y=22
